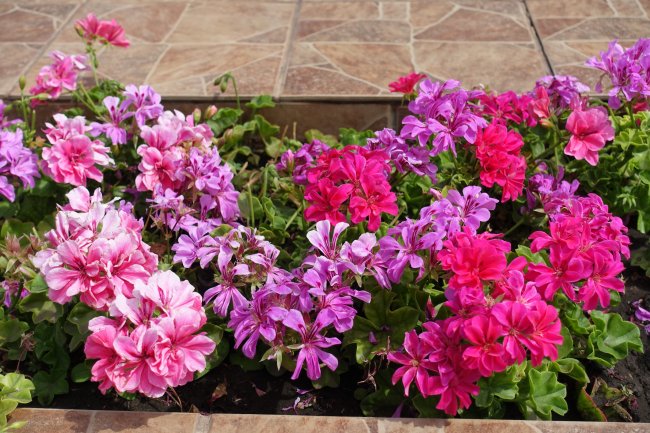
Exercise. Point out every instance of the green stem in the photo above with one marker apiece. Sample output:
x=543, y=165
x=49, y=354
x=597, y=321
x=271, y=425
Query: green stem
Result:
x=234, y=86
x=250, y=204
x=515, y=227
x=630, y=112
x=293, y=217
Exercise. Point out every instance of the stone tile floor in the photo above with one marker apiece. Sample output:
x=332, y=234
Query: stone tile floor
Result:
x=323, y=48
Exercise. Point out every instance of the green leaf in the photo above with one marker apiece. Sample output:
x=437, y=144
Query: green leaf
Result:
x=261, y=101
x=16, y=227
x=41, y=307
x=16, y=387
x=502, y=385
x=426, y=407
x=80, y=315
x=613, y=338
x=37, y=285
x=547, y=394
x=81, y=372
x=385, y=324
x=524, y=251
x=567, y=343
x=47, y=386
x=587, y=408
x=224, y=119
x=572, y=368
x=12, y=330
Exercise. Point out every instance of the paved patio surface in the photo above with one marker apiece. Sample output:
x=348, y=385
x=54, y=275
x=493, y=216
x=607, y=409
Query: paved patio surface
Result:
x=323, y=48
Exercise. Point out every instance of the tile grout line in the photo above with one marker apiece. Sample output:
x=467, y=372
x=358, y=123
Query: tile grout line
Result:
x=287, y=53
x=47, y=44
x=538, y=39
x=91, y=422
x=167, y=46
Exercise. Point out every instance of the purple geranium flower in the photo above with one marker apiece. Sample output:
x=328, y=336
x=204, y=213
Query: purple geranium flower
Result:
x=312, y=343
x=145, y=101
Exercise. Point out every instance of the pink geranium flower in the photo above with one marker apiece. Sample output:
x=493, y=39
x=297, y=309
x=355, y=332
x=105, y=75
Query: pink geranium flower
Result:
x=590, y=129
x=73, y=160
x=60, y=75
x=327, y=199
x=107, y=32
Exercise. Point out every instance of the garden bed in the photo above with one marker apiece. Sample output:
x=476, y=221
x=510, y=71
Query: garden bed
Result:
x=467, y=256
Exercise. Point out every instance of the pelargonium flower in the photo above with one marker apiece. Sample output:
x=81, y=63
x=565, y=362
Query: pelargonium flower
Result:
x=153, y=342
x=145, y=101
x=73, y=160
x=499, y=153
x=106, y=32
x=562, y=90
x=590, y=129
x=405, y=84
x=627, y=69
x=17, y=161
x=415, y=365
x=61, y=75
x=96, y=251
x=312, y=344
x=353, y=173
x=117, y=113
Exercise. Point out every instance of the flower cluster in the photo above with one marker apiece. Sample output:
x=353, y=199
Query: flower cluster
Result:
x=152, y=340
x=60, y=75
x=288, y=311
x=508, y=107
x=584, y=247
x=416, y=242
x=189, y=181
x=73, y=156
x=352, y=174
x=590, y=129
x=95, y=251
x=496, y=321
x=442, y=110
x=562, y=91
x=627, y=69
x=498, y=151
x=16, y=160
x=297, y=163
x=106, y=32
x=405, y=158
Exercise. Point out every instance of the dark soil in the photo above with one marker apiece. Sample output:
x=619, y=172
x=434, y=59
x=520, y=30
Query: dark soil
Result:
x=634, y=371
x=228, y=389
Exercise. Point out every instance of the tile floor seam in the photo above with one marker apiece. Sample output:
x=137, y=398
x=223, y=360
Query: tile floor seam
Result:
x=156, y=63
x=342, y=72
x=538, y=39
x=91, y=422
x=641, y=8
x=287, y=53
x=49, y=42
x=173, y=29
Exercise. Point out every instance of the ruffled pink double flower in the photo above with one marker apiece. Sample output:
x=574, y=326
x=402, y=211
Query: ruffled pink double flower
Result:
x=107, y=32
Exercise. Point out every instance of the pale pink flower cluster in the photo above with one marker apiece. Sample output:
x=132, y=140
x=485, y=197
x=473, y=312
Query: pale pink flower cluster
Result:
x=151, y=343
x=95, y=251
x=60, y=75
x=73, y=156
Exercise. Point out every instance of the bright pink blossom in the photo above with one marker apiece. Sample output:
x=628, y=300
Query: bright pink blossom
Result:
x=485, y=353
x=406, y=84
x=590, y=129
x=107, y=32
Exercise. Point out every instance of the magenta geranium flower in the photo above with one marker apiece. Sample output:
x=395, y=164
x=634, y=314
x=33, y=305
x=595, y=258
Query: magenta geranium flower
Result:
x=415, y=365
x=486, y=353
x=405, y=84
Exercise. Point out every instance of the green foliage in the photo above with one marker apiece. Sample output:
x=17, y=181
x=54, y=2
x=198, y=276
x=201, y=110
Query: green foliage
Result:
x=15, y=389
x=612, y=339
x=546, y=394
x=385, y=320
